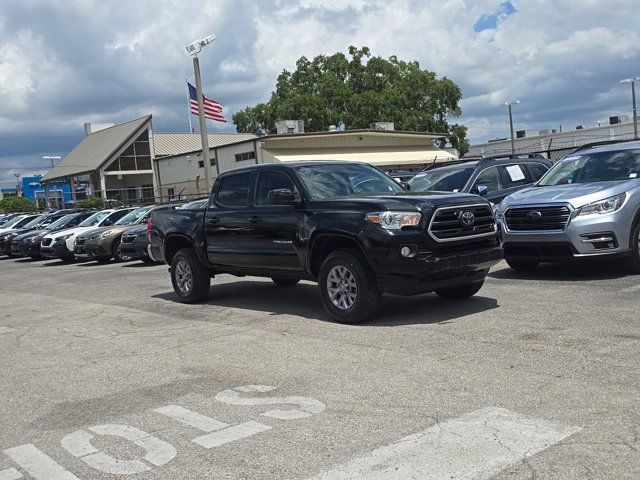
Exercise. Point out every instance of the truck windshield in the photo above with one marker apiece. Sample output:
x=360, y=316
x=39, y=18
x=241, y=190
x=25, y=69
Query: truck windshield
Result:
x=594, y=167
x=330, y=181
x=445, y=179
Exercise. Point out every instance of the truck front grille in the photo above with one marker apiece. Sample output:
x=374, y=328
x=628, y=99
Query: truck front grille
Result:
x=537, y=218
x=462, y=222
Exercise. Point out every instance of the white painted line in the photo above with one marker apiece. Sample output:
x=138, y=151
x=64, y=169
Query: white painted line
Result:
x=37, y=464
x=475, y=446
x=193, y=419
x=230, y=434
x=308, y=406
x=9, y=473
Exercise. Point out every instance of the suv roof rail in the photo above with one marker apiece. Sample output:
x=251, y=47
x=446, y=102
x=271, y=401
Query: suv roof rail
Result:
x=586, y=146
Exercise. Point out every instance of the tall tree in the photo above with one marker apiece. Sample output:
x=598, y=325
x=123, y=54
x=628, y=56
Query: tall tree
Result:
x=358, y=91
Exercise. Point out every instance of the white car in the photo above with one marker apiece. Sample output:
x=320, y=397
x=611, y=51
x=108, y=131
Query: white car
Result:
x=17, y=222
x=60, y=244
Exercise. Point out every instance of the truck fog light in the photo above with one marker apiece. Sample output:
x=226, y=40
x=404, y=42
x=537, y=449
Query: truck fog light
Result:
x=408, y=251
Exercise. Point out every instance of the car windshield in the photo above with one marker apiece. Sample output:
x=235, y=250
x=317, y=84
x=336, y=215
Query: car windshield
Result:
x=445, y=179
x=36, y=222
x=61, y=222
x=10, y=223
x=594, y=167
x=95, y=219
x=132, y=217
x=330, y=181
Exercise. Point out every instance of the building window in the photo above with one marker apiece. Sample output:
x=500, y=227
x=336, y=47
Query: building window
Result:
x=212, y=161
x=245, y=156
x=171, y=192
x=147, y=191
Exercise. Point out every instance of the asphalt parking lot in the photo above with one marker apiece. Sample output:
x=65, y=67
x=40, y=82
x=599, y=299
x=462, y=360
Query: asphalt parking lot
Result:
x=105, y=375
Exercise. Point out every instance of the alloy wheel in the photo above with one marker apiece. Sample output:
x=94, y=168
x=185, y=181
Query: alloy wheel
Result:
x=184, y=277
x=342, y=287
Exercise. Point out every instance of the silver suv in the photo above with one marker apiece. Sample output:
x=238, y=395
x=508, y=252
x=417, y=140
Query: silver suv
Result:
x=586, y=205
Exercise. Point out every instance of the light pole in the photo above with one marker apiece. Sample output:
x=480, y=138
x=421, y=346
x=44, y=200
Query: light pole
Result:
x=633, y=81
x=17, y=175
x=193, y=49
x=508, y=104
x=47, y=201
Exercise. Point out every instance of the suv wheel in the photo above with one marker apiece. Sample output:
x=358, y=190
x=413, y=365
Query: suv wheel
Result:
x=191, y=281
x=523, y=265
x=634, y=264
x=284, y=282
x=348, y=288
x=460, y=292
x=117, y=255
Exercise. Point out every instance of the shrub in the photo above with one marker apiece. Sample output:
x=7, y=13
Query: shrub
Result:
x=17, y=204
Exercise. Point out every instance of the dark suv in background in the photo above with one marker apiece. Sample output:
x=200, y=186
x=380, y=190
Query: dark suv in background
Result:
x=492, y=178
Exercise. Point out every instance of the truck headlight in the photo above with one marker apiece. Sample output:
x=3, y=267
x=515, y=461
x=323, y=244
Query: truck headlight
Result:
x=394, y=220
x=608, y=205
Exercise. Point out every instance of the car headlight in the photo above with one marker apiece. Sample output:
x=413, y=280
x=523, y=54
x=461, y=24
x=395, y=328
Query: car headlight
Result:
x=394, y=220
x=608, y=205
x=65, y=237
x=106, y=234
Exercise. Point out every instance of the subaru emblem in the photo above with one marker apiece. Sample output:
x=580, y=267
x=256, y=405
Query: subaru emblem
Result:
x=534, y=215
x=467, y=218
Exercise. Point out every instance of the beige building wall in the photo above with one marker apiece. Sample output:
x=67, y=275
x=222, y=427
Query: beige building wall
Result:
x=227, y=155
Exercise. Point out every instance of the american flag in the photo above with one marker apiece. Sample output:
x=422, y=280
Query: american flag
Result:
x=212, y=109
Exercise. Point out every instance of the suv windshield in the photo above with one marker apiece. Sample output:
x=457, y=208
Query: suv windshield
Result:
x=594, y=167
x=331, y=181
x=445, y=179
x=60, y=222
x=132, y=217
x=95, y=219
x=36, y=222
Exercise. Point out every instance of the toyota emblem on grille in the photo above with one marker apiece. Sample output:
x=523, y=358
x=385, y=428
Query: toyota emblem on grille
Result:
x=534, y=215
x=467, y=218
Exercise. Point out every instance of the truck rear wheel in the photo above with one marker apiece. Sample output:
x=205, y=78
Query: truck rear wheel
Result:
x=191, y=281
x=460, y=292
x=348, y=288
x=284, y=282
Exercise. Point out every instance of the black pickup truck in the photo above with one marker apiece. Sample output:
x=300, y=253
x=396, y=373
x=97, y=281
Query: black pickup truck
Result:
x=347, y=226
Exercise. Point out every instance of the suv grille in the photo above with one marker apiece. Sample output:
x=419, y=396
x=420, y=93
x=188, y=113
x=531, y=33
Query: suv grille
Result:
x=80, y=241
x=47, y=241
x=128, y=238
x=537, y=218
x=454, y=223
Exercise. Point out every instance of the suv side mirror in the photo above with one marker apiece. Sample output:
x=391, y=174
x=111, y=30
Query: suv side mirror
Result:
x=282, y=196
x=480, y=190
x=107, y=223
x=406, y=186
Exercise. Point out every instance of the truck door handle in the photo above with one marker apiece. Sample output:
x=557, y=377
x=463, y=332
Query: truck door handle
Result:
x=254, y=219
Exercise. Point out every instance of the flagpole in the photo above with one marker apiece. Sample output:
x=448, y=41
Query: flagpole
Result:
x=189, y=106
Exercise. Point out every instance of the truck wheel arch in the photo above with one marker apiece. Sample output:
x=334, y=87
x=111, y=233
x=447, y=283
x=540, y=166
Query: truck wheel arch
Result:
x=325, y=243
x=173, y=244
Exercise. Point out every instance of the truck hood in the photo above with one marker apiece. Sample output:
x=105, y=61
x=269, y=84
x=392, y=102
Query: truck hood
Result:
x=405, y=201
x=576, y=195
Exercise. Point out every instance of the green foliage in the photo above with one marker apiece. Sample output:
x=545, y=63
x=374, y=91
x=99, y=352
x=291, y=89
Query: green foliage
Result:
x=17, y=204
x=357, y=92
x=96, y=203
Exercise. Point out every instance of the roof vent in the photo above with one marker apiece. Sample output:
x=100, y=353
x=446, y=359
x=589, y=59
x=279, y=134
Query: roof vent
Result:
x=382, y=126
x=90, y=128
x=289, y=127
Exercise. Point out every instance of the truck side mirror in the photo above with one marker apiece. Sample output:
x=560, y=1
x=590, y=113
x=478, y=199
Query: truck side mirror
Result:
x=282, y=196
x=480, y=190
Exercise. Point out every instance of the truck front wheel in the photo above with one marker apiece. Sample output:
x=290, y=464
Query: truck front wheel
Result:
x=191, y=281
x=348, y=288
x=460, y=292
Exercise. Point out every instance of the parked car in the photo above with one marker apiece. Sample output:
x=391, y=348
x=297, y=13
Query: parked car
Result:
x=38, y=224
x=28, y=244
x=134, y=244
x=60, y=244
x=13, y=228
x=347, y=226
x=102, y=244
x=586, y=206
x=492, y=178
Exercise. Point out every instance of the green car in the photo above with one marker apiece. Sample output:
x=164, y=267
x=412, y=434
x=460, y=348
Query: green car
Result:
x=103, y=244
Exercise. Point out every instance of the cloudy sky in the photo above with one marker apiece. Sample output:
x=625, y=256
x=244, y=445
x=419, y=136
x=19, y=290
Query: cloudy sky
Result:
x=67, y=62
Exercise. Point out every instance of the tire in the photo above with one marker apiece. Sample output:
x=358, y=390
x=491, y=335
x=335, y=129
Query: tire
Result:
x=523, y=265
x=461, y=292
x=285, y=282
x=115, y=251
x=634, y=262
x=355, y=300
x=191, y=281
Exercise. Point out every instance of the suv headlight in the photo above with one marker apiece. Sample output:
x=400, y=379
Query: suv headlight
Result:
x=394, y=220
x=106, y=234
x=608, y=205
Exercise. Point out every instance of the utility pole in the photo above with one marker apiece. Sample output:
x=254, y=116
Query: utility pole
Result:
x=508, y=104
x=193, y=49
x=633, y=81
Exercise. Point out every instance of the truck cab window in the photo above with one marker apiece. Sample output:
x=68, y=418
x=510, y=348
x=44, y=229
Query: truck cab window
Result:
x=268, y=181
x=234, y=190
